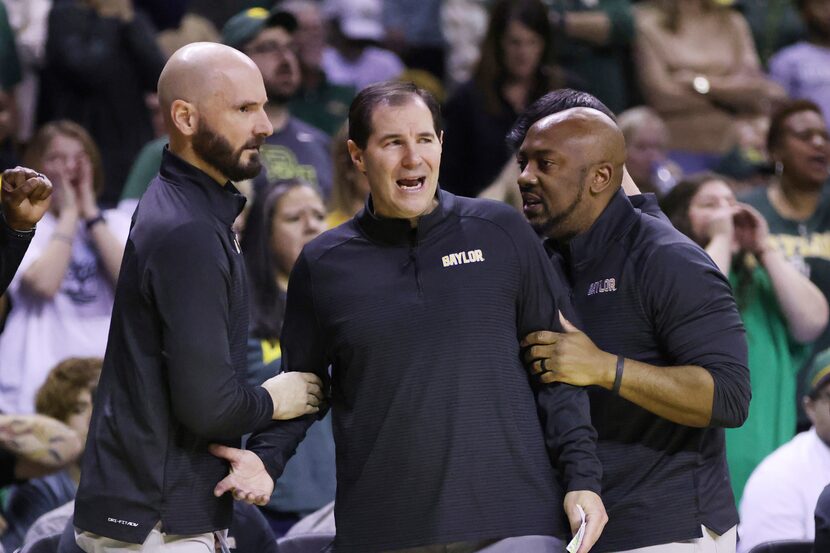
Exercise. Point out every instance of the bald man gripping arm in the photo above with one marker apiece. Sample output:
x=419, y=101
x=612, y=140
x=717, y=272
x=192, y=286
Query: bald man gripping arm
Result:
x=702, y=390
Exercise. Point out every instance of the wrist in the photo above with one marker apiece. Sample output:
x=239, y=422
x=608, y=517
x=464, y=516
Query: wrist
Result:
x=609, y=370
x=97, y=218
x=763, y=253
x=19, y=226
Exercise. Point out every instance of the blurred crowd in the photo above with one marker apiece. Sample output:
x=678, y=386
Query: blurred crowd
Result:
x=725, y=108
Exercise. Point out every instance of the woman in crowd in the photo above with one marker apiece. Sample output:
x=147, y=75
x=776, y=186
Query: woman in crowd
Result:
x=796, y=204
x=699, y=69
x=63, y=292
x=285, y=216
x=515, y=68
x=781, y=310
x=350, y=186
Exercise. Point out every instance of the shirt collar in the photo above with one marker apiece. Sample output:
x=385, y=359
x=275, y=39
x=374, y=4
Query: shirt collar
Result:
x=610, y=226
x=225, y=202
x=392, y=232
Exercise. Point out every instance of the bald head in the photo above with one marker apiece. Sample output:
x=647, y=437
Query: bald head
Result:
x=198, y=71
x=600, y=139
x=213, y=99
x=571, y=166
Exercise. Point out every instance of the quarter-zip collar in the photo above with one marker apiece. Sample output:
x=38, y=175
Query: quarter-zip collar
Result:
x=396, y=232
x=225, y=202
x=612, y=224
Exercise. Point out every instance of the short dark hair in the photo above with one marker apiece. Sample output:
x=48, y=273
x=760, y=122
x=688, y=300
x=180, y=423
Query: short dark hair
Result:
x=550, y=103
x=784, y=111
x=392, y=93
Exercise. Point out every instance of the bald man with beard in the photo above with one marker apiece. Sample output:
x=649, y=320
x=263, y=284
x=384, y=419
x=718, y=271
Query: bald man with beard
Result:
x=173, y=377
x=660, y=344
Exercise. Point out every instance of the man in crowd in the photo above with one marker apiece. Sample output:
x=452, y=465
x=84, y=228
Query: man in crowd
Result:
x=663, y=350
x=418, y=305
x=172, y=379
x=295, y=149
x=781, y=495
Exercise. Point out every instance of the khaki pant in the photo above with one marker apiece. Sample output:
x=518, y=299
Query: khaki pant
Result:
x=157, y=541
x=708, y=543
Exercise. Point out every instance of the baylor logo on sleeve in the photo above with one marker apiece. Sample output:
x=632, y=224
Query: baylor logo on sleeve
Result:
x=461, y=258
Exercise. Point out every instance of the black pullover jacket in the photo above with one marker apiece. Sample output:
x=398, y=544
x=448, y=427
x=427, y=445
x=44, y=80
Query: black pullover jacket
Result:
x=645, y=291
x=435, y=420
x=173, y=376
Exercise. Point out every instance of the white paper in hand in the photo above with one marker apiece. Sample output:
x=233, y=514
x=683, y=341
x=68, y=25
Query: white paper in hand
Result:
x=573, y=547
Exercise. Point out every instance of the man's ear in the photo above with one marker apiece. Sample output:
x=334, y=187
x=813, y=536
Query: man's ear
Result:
x=357, y=156
x=601, y=177
x=185, y=117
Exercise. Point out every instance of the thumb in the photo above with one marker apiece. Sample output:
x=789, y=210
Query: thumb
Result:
x=224, y=452
x=224, y=485
x=566, y=324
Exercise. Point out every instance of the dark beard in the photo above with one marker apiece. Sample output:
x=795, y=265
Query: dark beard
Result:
x=217, y=152
x=547, y=227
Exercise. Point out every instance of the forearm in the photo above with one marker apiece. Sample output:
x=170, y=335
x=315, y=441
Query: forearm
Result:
x=801, y=302
x=682, y=394
x=664, y=91
x=719, y=249
x=41, y=444
x=571, y=440
x=45, y=275
x=109, y=248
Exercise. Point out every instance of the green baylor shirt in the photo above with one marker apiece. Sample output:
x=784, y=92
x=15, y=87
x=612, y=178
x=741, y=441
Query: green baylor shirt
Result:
x=807, y=245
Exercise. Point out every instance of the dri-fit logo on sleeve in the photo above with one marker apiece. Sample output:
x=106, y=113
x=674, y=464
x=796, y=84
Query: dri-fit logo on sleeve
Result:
x=460, y=258
x=122, y=522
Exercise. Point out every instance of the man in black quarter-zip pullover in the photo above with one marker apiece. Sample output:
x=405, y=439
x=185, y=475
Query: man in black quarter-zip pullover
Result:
x=418, y=304
x=664, y=351
x=173, y=374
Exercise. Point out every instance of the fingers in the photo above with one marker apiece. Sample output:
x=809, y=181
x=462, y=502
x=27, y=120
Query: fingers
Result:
x=593, y=530
x=42, y=190
x=17, y=176
x=223, y=486
x=537, y=353
x=540, y=337
x=548, y=377
x=315, y=391
x=230, y=454
x=574, y=518
x=312, y=378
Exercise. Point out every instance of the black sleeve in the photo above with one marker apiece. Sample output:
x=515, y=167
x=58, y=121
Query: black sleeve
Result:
x=303, y=349
x=822, y=517
x=13, y=246
x=190, y=282
x=697, y=321
x=564, y=410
